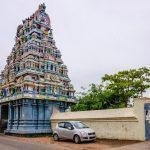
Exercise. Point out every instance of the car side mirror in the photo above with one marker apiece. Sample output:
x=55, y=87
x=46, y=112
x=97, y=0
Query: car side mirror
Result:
x=70, y=128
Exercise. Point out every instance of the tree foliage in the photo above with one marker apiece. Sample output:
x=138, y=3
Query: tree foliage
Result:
x=115, y=90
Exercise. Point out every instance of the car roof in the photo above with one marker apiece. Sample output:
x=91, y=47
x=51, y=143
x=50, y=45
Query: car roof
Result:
x=69, y=121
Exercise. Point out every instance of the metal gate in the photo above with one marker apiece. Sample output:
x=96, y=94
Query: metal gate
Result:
x=147, y=121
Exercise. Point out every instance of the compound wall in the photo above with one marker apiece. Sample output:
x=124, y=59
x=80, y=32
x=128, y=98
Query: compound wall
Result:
x=125, y=123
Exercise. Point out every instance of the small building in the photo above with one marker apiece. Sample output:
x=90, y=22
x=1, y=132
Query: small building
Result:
x=35, y=81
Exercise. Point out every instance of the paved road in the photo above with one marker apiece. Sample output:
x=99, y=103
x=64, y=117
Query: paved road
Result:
x=10, y=144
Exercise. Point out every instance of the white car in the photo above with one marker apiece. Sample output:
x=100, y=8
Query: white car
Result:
x=74, y=130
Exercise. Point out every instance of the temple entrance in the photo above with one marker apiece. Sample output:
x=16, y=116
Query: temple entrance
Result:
x=3, y=117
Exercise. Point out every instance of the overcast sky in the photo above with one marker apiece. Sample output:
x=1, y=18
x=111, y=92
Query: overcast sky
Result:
x=95, y=36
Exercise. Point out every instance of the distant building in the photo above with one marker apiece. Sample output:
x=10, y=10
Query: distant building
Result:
x=35, y=81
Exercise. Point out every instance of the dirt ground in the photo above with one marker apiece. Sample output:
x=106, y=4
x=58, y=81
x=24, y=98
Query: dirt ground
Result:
x=65, y=144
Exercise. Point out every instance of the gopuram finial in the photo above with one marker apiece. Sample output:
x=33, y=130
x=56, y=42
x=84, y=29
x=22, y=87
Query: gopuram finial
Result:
x=42, y=7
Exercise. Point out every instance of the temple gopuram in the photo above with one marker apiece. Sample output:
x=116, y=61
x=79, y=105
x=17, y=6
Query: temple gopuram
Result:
x=34, y=82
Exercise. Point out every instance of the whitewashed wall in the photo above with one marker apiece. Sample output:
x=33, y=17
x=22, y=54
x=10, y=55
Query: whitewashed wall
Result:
x=124, y=123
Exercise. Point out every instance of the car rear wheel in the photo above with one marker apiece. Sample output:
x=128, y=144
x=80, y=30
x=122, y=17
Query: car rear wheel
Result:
x=77, y=139
x=56, y=137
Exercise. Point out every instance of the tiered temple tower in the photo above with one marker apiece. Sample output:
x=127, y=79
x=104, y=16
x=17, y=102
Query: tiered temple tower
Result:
x=35, y=80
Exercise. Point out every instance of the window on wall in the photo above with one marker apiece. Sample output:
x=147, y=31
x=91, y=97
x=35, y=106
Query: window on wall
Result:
x=17, y=68
x=48, y=67
x=43, y=90
x=42, y=67
x=49, y=90
x=39, y=26
x=51, y=67
x=55, y=68
x=37, y=66
x=35, y=78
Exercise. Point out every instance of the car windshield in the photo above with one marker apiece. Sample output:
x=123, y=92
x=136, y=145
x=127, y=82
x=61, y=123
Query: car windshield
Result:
x=80, y=125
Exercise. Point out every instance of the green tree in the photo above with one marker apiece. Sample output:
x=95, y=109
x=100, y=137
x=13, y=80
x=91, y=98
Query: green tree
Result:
x=115, y=90
x=128, y=84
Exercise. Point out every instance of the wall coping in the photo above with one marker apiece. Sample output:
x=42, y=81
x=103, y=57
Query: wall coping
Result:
x=109, y=114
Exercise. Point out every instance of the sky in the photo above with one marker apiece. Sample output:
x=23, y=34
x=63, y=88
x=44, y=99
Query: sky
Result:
x=95, y=37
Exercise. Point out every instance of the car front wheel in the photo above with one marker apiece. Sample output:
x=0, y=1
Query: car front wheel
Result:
x=77, y=139
x=56, y=137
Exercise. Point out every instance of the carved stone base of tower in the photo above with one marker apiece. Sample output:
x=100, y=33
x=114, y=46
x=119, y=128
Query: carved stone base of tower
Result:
x=28, y=116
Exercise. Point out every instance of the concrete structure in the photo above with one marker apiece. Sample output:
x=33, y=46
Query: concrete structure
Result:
x=34, y=82
x=125, y=123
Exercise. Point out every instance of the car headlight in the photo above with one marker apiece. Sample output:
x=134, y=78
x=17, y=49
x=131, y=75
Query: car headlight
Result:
x=84, y=134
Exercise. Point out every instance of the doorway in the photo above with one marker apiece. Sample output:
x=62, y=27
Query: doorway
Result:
x=4, y=117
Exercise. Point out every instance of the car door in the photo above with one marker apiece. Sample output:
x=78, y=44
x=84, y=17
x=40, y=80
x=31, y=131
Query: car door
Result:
x=60, y=129
x=68, y=130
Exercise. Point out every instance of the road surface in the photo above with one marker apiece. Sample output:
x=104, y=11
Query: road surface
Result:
x=138, y=146
x=47, y=143
x=10, y=144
